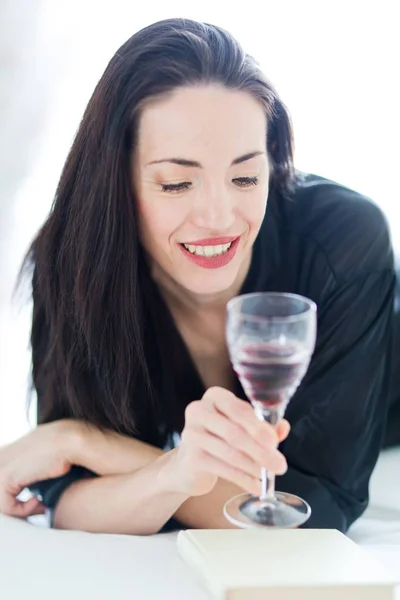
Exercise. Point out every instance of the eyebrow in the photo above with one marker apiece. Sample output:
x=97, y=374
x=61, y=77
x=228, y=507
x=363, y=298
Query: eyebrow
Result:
x=194, y=163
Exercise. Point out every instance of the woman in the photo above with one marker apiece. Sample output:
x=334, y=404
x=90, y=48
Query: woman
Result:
x=178, y=194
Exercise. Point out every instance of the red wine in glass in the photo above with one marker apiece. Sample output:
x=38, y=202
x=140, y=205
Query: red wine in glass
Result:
x=270, y=372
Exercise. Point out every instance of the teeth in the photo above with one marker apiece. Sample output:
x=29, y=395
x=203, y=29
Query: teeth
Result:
x=208, y=251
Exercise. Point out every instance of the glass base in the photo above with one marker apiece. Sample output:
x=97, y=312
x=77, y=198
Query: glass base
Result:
x=283, y=511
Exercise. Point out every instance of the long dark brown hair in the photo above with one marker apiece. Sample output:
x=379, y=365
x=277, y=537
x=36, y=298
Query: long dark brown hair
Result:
x=94, y=327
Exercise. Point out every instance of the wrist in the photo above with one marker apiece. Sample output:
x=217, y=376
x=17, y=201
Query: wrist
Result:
x=105, y=452
x=73, y=441
x=167, y=474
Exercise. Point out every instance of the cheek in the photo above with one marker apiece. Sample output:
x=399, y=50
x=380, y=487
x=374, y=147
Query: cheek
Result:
x=253, y=210
x=158, y=221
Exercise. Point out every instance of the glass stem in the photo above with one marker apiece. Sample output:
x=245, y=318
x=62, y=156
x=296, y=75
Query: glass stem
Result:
x=267, y=485
x=267, y=480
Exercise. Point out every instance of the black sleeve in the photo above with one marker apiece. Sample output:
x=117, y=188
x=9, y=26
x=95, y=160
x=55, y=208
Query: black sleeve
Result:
x=50, y=490
x=338, y=414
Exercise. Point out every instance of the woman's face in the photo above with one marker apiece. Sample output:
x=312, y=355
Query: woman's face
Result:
x=201, y=179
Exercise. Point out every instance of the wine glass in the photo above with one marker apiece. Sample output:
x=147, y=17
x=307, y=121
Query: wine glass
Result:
x=271, y=337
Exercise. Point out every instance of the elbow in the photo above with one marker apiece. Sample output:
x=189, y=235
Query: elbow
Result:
x=328, y=513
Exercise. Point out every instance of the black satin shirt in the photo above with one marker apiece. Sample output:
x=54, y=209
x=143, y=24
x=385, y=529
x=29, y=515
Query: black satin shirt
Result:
x=331, y=244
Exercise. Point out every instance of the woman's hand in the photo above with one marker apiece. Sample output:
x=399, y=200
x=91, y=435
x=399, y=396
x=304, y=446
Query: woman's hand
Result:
x=44, y=453
x=51, y=449
x=222, y=438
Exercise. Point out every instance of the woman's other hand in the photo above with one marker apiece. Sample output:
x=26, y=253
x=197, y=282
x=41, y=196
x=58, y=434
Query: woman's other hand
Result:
x=44, y=453
x=222, y=438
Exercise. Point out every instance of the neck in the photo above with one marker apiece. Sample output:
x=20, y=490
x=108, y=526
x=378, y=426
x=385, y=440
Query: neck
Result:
x=187, y=302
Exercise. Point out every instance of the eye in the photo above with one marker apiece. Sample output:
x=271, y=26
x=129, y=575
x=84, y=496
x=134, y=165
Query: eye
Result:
x=175, y=187
x=244, y=182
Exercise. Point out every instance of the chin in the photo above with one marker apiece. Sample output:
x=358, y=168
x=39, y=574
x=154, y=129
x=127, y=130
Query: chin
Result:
x=210, y=283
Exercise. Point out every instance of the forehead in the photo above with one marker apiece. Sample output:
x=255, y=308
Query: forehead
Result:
x=202, y=120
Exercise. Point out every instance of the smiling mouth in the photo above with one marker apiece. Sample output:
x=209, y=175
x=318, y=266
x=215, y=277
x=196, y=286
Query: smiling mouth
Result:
x=208, y=251
x=206, y=255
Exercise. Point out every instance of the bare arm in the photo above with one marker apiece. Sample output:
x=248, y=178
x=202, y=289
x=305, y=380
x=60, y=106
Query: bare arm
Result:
x=137, y=503
x=140, y=502
x=107, y=452
x=105, y=504
x=141, y=487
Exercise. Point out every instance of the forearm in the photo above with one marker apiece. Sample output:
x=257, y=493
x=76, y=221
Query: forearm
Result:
x=107, y=453
x=128, y=498
x=110, y=453
x=137, y=503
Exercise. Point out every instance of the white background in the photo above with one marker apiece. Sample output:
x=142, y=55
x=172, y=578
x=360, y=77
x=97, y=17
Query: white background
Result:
x=335, y=65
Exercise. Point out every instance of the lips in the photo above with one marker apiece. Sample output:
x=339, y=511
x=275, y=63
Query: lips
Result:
x=213, y=262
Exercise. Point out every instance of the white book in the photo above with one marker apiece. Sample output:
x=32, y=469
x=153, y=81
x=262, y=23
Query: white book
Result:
x=284, y=564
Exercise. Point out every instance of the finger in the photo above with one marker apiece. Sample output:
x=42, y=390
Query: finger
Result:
x=242, y=413
x=264, y=455
x=22, y=510
x=225, y=452
x=217, y=467
x=283, y=430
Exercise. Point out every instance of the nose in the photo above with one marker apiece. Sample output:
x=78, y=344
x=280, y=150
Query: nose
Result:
x=214, y=210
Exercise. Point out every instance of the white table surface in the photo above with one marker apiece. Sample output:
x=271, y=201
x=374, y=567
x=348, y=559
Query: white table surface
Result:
x=37, y=563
